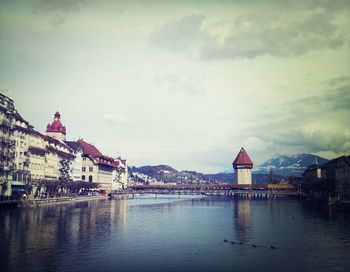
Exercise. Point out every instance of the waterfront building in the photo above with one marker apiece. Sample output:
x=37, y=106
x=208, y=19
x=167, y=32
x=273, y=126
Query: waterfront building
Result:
x=65, y=156
x=77, y=164
x=243, y=165
x=123, y=169
x=56, y=136
x=96, y=167
x=120, y=175
x=21, y=173
x=52, y=165
x=312, y=173
x=37, y=155
x=7, y=145
x=342, y=177
x=336, y=171
x=28, y=157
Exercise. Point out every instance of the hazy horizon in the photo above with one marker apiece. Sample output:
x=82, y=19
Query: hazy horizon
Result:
x=183, y=83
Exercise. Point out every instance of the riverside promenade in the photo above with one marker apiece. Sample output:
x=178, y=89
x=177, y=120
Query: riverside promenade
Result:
x=50, y=200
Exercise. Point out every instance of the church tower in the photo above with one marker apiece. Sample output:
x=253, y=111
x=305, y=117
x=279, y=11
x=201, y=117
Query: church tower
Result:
x=56, y=130
x=243, y=168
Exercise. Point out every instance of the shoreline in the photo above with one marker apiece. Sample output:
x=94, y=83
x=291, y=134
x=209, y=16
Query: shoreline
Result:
x=45, y=201
x=338, y=206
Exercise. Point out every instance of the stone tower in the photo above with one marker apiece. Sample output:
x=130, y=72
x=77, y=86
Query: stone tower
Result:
x=56, y=130
x=243, y=168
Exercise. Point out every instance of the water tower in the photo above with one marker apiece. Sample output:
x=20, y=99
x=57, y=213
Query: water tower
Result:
x=243, y=168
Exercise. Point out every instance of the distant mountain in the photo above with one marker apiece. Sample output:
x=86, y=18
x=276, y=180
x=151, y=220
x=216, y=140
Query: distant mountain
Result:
x=285, y=165
x=282, y=165
x=167, y=174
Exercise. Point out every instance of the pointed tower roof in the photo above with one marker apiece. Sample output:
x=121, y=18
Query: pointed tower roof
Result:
x=242, y=158
x=56, y=125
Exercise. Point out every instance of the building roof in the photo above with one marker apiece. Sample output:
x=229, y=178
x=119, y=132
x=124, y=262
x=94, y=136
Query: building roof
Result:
x=89, y=149
x=73, y=145
x=242, y=158
x=342, y=160
x=56, y=125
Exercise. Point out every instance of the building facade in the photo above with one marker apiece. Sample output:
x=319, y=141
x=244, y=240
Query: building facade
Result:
x=77, y=163
x=336, y=171
x=96, y=167
x=37, y=155
x=28, y=157
x=20, y=134
x=7, y=145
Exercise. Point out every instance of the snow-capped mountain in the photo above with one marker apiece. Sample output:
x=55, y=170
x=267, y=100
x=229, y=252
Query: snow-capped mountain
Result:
x=285, y=165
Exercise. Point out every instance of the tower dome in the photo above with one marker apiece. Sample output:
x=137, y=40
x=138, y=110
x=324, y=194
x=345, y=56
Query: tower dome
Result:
x=56, y=129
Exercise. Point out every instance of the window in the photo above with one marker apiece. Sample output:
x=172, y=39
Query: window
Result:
x=90, y=178
x=83, y=177
x=83, y=169
x=90, y=169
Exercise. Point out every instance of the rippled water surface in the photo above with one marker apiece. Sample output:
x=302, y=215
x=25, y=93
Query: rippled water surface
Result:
x=174, y=234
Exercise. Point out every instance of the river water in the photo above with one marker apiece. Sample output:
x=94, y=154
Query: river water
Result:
x=167, y=233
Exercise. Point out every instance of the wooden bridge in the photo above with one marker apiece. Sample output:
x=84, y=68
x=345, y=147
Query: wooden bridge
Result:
x=256, y=190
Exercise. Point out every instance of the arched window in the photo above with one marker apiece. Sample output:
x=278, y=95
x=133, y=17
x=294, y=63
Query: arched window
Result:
x=83, y=177
x=90, y=178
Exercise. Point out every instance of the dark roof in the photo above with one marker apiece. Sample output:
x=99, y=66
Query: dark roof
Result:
x=242, y=158
x=336, y=161
x=33, y=131
x=23, y=129
x=37, y=150
x=73, y=145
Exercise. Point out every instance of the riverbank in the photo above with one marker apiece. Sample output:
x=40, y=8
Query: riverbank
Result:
x=42, y=201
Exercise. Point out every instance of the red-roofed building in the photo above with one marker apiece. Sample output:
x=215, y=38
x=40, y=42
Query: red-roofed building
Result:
x=97, y=167
x=243, y=168
x=56, y=129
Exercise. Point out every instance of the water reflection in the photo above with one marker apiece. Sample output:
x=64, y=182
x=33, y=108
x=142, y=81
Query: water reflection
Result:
x=51, y=230
x=172, y=234
x=242, y=219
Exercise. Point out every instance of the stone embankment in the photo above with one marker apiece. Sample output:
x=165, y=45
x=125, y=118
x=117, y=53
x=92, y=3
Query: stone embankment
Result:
x=41, y=201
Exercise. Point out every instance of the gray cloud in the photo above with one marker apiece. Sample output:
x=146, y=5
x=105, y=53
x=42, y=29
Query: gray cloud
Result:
x=312, y=124
x=180, y=34
x=56, y=5
x=56, y=10
x=278, y=30
x=335, y=96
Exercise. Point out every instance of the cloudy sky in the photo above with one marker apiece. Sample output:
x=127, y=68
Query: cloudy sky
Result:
x=184, y=83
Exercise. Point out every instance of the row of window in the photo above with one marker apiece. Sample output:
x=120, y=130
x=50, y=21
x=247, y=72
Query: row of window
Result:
x=83, y=178
x=84, y=169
